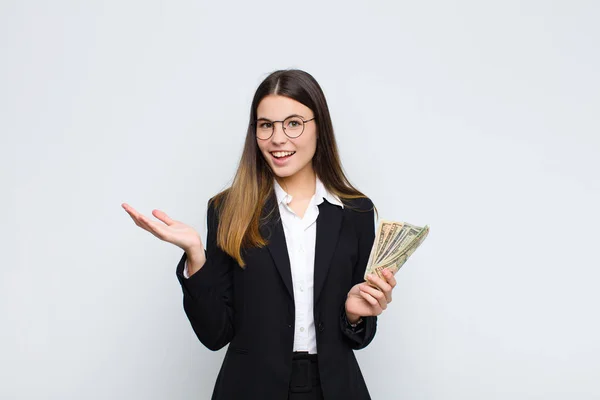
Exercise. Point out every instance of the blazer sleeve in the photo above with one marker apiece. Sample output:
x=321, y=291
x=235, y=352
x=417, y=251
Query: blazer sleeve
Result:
x=365, y=228
x=208, y=294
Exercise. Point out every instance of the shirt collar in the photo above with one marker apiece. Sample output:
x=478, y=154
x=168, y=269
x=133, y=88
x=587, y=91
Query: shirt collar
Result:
x=321, y=193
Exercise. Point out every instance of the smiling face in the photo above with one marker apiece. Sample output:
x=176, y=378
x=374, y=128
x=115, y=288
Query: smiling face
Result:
x=286, y=156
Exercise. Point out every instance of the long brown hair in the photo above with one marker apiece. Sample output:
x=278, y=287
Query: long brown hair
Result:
x=240, y=206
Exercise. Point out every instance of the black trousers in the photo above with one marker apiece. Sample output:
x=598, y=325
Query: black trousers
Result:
x=305, y=383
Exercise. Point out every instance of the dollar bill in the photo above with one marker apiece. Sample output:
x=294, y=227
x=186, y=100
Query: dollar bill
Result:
x=386, y=232
x=394, y=264
x=400, y=242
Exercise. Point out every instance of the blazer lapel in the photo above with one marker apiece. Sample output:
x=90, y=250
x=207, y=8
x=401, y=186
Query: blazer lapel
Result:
x=329, y=223
x=272, y=231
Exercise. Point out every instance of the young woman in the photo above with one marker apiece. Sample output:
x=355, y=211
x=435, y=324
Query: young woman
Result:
x=281, y=279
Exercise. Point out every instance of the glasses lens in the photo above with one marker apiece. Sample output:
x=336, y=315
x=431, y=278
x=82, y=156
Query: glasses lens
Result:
x=264, y=129
x=293, y=126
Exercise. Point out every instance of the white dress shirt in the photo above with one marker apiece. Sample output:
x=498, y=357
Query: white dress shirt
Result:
x=300, y=236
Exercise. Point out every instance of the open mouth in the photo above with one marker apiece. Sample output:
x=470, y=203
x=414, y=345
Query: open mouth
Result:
x=282, y=155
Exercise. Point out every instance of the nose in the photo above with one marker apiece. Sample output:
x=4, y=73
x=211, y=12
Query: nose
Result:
x=279, y=135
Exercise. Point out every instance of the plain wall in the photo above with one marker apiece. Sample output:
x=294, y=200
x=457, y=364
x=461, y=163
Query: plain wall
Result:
x=480, y=119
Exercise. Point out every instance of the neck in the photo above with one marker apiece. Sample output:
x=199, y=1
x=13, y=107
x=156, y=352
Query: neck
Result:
x=301, y=185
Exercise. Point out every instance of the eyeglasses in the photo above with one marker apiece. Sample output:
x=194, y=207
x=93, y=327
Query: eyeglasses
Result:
x=293, y=126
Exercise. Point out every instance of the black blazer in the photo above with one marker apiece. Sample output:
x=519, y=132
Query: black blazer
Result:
x=252, y=309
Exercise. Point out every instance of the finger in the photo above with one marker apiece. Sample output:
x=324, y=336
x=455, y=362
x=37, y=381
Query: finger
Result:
x=390, y=277
x=381, y=284
x=161, y=215
x=134, y=216
x=135, y=221
x=129, y=209
x=388, y=295
x=378, y=295
x=133, y=213
x=139, y=220
x=372, y=301
x=152, y=226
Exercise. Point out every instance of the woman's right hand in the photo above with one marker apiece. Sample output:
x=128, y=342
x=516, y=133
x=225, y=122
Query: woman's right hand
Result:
x=178, y=233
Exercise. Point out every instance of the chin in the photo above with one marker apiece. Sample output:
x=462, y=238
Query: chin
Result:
x=282, y=172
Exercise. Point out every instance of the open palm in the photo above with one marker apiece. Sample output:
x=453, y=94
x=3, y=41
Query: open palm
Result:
x=167, y=229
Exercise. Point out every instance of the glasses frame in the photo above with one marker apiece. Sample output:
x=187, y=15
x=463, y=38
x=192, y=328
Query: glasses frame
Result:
x=255, y=124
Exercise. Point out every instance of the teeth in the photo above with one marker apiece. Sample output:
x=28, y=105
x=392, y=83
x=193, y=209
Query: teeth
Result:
x=282, y=153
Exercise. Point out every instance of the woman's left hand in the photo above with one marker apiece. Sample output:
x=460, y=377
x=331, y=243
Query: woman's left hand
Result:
x=364, y=300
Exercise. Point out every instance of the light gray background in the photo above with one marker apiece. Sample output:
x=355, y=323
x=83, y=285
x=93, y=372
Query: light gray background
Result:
x=477, y=118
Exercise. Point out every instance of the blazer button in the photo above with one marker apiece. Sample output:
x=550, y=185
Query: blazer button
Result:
x=321, y=327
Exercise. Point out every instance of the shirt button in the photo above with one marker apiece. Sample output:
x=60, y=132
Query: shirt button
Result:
x=302, y=329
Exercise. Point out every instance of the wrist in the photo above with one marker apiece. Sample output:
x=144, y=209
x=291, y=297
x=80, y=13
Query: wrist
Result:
x=195, y=253
x=195, y=260
x=352, y=318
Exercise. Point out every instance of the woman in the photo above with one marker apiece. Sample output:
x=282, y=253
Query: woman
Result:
x=281, y=279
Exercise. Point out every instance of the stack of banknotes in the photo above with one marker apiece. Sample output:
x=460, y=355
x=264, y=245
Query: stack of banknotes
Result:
x=394, y=243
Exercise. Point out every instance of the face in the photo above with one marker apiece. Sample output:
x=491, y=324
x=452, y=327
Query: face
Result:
x=287, y=156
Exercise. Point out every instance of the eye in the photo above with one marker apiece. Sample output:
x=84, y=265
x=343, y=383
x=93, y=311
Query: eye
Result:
x=264, y=125
x=294, y=123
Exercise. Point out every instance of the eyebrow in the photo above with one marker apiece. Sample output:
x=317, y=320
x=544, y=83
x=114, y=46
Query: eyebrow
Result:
x=293, y=115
